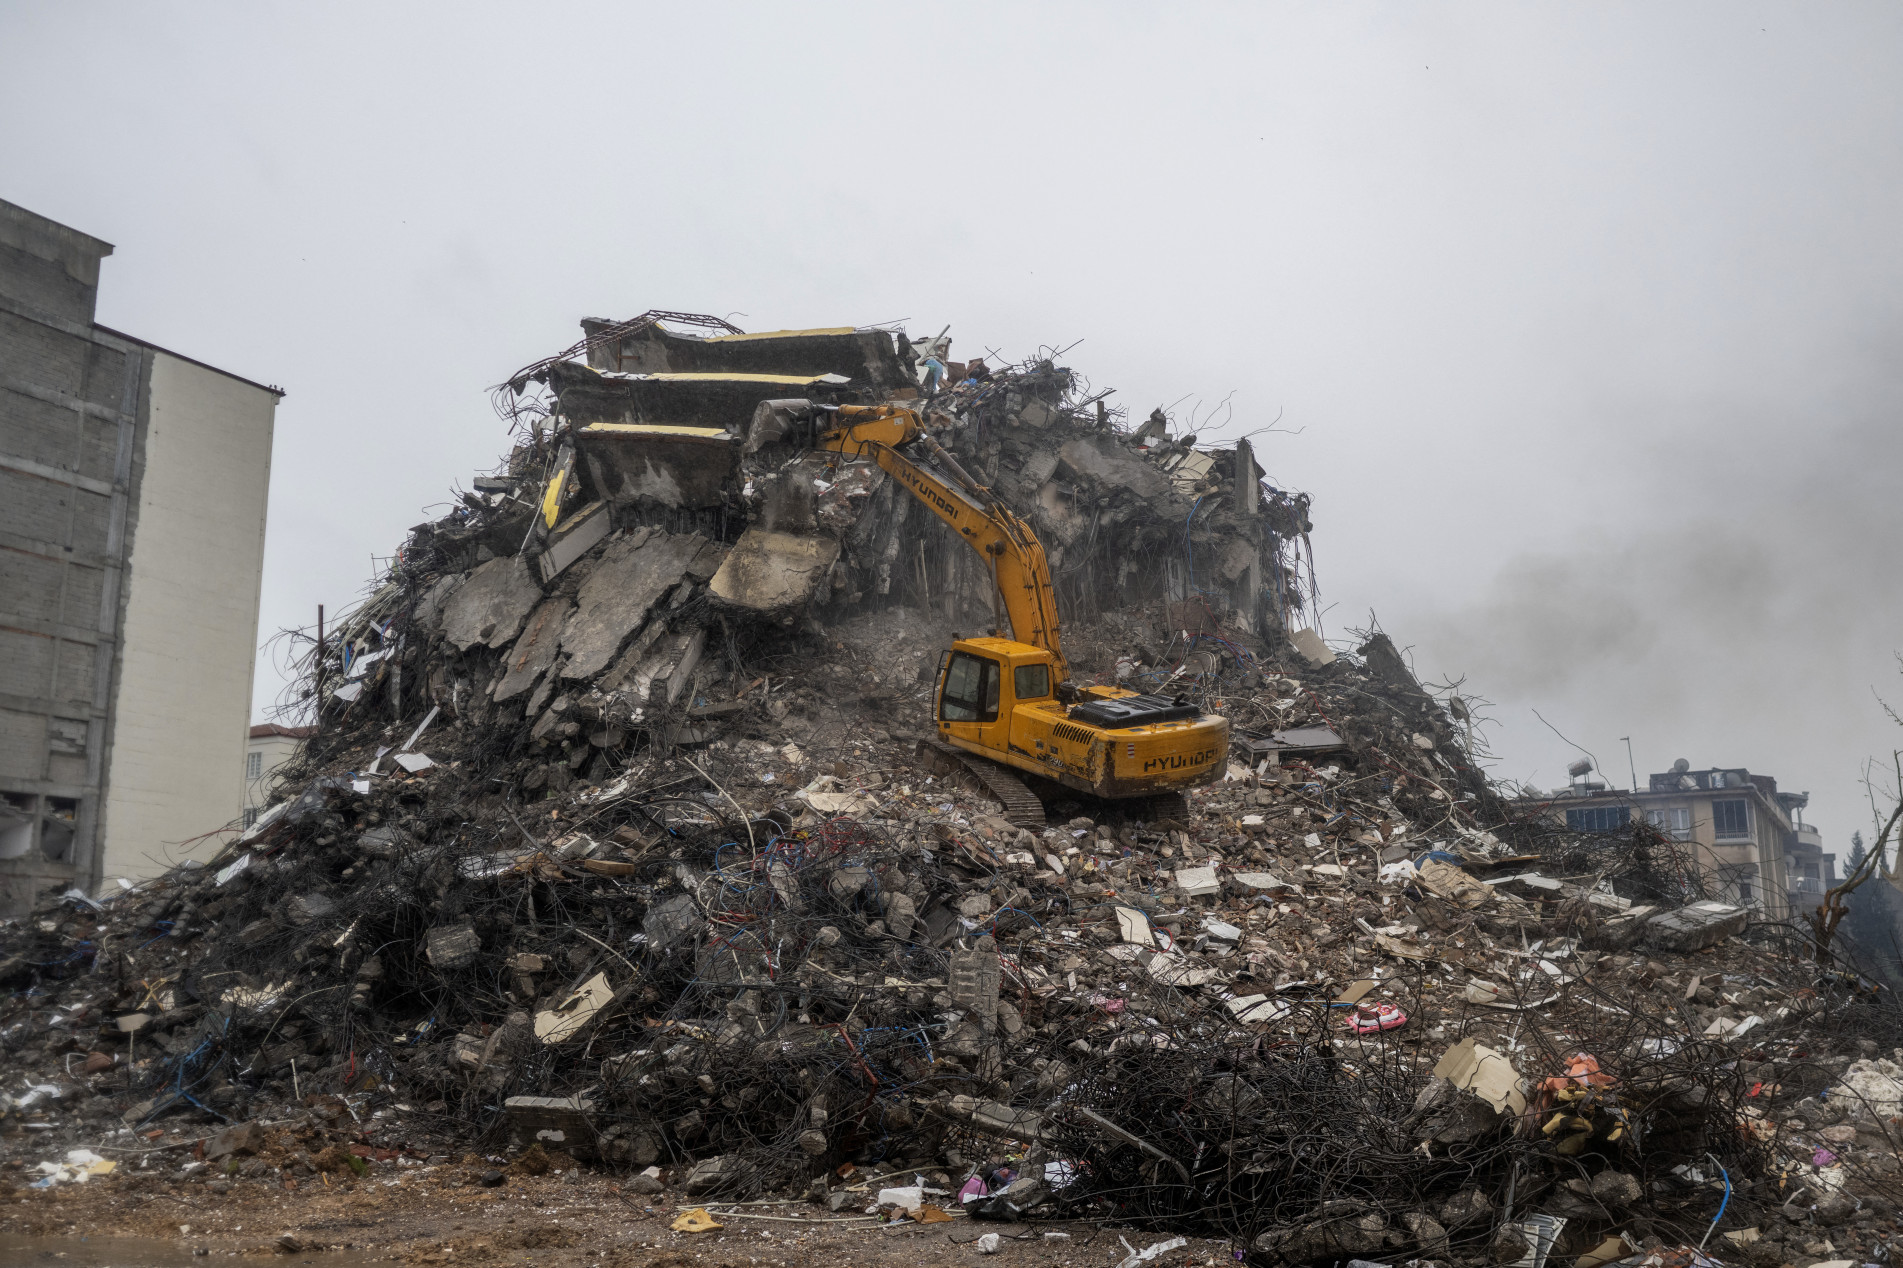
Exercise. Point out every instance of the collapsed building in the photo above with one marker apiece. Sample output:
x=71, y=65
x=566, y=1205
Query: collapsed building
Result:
x=616, y=839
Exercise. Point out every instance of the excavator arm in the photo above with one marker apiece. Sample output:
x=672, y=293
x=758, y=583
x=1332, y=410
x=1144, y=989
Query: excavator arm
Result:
x=1005, y=700
x=890, y=435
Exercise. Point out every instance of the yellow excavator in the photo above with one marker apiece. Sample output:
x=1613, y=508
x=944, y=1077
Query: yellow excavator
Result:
x=1010, y=700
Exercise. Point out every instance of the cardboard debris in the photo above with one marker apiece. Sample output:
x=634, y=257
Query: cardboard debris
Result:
x=1489, y=1075
x=1449, y=882
x=576, y=1011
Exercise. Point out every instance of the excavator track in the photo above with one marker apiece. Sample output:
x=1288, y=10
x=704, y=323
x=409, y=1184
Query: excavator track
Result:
x=1021, y=805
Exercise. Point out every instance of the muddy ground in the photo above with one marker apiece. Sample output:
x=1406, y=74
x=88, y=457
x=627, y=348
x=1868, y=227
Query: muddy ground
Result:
x=444, y=1215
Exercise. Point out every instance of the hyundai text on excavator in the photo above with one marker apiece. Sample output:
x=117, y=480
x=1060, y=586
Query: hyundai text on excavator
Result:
x=1011, y=700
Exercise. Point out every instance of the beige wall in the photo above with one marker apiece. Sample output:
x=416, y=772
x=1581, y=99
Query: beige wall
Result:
x=183, y=706
x=274, y=751
x=1763, y=848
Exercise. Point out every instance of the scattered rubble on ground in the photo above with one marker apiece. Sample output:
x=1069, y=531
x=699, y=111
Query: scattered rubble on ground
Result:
x=616, y=847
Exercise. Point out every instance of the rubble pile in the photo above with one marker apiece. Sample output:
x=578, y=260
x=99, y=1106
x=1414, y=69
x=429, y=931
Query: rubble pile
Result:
x=602, y=851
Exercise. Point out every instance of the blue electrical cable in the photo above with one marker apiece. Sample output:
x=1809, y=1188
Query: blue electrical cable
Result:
x=1721, y=1205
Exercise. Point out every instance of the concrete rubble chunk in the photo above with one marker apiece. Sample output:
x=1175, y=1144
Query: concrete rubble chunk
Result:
x=1103, y=461
x=488, y=609
x=997, y=1118
x=1198, y=882
x=309, y=908
x=562, y=1123
x=723, y=1175
x=535, y=650
x=239, y=1138
x=573, y=538
x=1696, y=926
x=452, y=946
x=1308, y=644
x=975, y=979
x=773, y=573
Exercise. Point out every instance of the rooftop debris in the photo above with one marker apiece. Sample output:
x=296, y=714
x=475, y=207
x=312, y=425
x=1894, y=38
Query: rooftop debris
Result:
x=676, y=891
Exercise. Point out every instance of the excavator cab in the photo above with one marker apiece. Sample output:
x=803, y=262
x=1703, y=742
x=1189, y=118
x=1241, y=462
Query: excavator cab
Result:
x=999, y=698
x=982, y=680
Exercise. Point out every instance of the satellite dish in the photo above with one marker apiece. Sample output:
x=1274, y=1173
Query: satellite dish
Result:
x=1681, y=766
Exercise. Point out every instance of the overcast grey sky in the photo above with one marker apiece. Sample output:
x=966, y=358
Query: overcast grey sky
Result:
x=1587, y=316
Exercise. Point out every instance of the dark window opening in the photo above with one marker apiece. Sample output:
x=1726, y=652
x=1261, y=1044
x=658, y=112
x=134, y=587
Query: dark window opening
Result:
x=1598, y=819
x=57, y=827
x=971, y=689
x=1731, y=819
x=1031, y=682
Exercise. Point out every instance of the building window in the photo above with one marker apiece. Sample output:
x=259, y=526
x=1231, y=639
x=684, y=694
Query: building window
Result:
x=250, y=812
x=253, y=765
x=1598, y=819
x=1731, y=820
x=1675, y=822
x=1744, y=891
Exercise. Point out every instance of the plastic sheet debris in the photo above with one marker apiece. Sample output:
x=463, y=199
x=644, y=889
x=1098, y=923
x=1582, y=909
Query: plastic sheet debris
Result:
x=1542, y=1234
x=79, y=1166
x=695, y=1220
x=1150, y=1253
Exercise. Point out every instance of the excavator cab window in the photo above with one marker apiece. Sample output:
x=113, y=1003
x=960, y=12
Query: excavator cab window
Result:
x=971, y=689
x=1031, y=682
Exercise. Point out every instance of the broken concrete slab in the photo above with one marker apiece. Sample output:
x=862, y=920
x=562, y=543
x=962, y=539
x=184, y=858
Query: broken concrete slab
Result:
x=679, y=467
x=665, y=672
x=573, y=538
x=491, y=605
x=997, y=1118
x=1309, y=646
x=1696, y=927
x=976, y=976
x=535, y=650
x=1102, y=459
x=773, y=574
x=1198, y=882
x=429, y=608
x=631, y=575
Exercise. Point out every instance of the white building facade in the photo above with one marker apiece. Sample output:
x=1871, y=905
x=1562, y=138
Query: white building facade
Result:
x=133, y=489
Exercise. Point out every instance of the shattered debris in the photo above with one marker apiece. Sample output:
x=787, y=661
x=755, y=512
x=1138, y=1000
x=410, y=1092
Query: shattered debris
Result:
x=677, y=892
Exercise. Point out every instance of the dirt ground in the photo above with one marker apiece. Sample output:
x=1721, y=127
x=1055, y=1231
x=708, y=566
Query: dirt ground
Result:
x=437, y=1215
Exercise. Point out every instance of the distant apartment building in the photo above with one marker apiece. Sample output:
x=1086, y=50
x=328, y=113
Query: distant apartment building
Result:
x=1748, y=839
x=269, y=747
x=132, y=500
